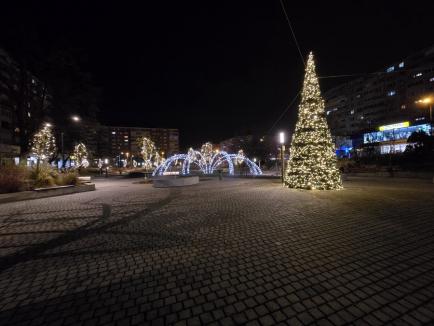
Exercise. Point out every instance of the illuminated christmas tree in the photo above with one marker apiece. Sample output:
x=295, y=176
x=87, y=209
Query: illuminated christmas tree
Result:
x=80, y=156
x=43, y=145
x=148, y=151
x=312, y=160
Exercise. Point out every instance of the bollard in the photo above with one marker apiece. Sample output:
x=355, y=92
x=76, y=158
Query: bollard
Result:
x=106, y=210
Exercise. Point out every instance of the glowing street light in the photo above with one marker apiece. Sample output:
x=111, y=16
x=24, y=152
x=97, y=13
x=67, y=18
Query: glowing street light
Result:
x=75, y=118
x=49, y=125
x=282, y=137
x=427, y=101
x=282, y=150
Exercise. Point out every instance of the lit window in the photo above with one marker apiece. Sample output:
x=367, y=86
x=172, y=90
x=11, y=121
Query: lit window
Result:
x=352, y=111
x=391, y=93
x=431, y=79
x=29, y=114
x=401, y=64
x=403, y=106
x=113, y=132
x=390, y=69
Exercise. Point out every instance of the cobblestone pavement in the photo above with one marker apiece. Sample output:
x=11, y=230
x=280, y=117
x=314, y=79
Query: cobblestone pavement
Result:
x=236, y=251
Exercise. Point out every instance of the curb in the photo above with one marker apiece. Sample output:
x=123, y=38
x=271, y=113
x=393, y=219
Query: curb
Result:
x=50, y=192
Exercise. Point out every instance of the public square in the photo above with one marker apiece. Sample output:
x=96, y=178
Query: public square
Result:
x=236, y=251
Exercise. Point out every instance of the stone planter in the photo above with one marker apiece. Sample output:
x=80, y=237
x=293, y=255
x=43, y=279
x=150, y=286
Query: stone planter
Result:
x=45, y=192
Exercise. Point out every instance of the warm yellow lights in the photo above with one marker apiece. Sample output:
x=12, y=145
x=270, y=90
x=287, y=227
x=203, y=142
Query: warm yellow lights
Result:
x=425, y=100
x=394, y=126
x=43, y=143
x=312, y=161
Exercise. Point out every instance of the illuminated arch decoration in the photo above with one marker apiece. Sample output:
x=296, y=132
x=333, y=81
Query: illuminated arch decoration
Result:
x=207, y=160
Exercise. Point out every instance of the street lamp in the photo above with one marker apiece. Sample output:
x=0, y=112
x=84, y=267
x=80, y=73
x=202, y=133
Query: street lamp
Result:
x=75, y=118
x=428, y=101
x=282, y=150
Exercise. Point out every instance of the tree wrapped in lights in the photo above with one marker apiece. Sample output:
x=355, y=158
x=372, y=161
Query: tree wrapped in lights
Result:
x=312, y=161
x=80, y=155
x=148, y=151
x=43, y=145
x=158, y=159
x=240, y=157
x=207, y=152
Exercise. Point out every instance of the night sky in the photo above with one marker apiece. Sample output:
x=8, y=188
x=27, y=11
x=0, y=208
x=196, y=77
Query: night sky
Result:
x=215, y=69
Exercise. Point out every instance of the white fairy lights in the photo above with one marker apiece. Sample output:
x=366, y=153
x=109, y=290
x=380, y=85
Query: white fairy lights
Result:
x=312, y=161
x=208, y=160
x=149, y=153
x=80, y=155
x=43, y=143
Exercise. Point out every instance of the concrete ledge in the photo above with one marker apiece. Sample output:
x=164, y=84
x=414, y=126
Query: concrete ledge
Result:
x=173, y=181
x=396, y=174
x=45, y=192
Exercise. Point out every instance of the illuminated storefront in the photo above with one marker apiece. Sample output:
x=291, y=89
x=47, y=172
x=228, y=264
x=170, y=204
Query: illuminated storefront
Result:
x=393, y=138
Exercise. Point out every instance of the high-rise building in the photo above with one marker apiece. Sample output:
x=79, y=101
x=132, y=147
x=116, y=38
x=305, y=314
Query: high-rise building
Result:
x=124, y=140
x=24, y=103
x=386, y=97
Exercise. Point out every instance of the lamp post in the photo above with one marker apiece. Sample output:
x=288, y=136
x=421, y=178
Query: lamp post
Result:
x=282, y=150
x=428, y=101
x=76, y=119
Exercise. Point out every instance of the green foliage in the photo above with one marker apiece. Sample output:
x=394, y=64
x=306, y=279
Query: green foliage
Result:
x=423, y=143
x=44, y=176
x=12, y=178
x=67, y=178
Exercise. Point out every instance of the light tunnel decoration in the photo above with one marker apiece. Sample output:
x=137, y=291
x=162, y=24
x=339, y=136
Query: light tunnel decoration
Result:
x=207, y=160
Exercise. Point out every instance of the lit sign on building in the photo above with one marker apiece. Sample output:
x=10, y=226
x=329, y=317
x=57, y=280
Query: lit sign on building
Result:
x=397, y=131
x=395, y=126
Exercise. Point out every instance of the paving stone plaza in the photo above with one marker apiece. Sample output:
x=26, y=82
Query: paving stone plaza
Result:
x=237, y=251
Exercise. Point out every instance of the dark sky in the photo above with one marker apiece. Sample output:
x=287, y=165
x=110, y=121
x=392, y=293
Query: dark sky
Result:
x=215, y=69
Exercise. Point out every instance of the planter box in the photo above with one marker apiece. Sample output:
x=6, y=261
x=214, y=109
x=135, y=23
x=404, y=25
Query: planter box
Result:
x=84, y=179
x=45, y=192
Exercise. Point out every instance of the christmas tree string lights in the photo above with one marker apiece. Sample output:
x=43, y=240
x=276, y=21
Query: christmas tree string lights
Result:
x=312, y=160
x=43, y=144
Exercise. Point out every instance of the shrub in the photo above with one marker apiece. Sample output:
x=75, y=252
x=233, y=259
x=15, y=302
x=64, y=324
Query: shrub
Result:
x=67, y=178
x=12, y=178
x=45, y=176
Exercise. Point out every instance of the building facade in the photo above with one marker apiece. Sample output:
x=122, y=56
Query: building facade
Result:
x=386, y=97
x=396, y=96
x=24, y=103
x=124, y=140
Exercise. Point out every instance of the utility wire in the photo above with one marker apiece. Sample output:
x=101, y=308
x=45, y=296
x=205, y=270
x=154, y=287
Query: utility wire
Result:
x=292, y=31
x=284, y=112
x=377, y=73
